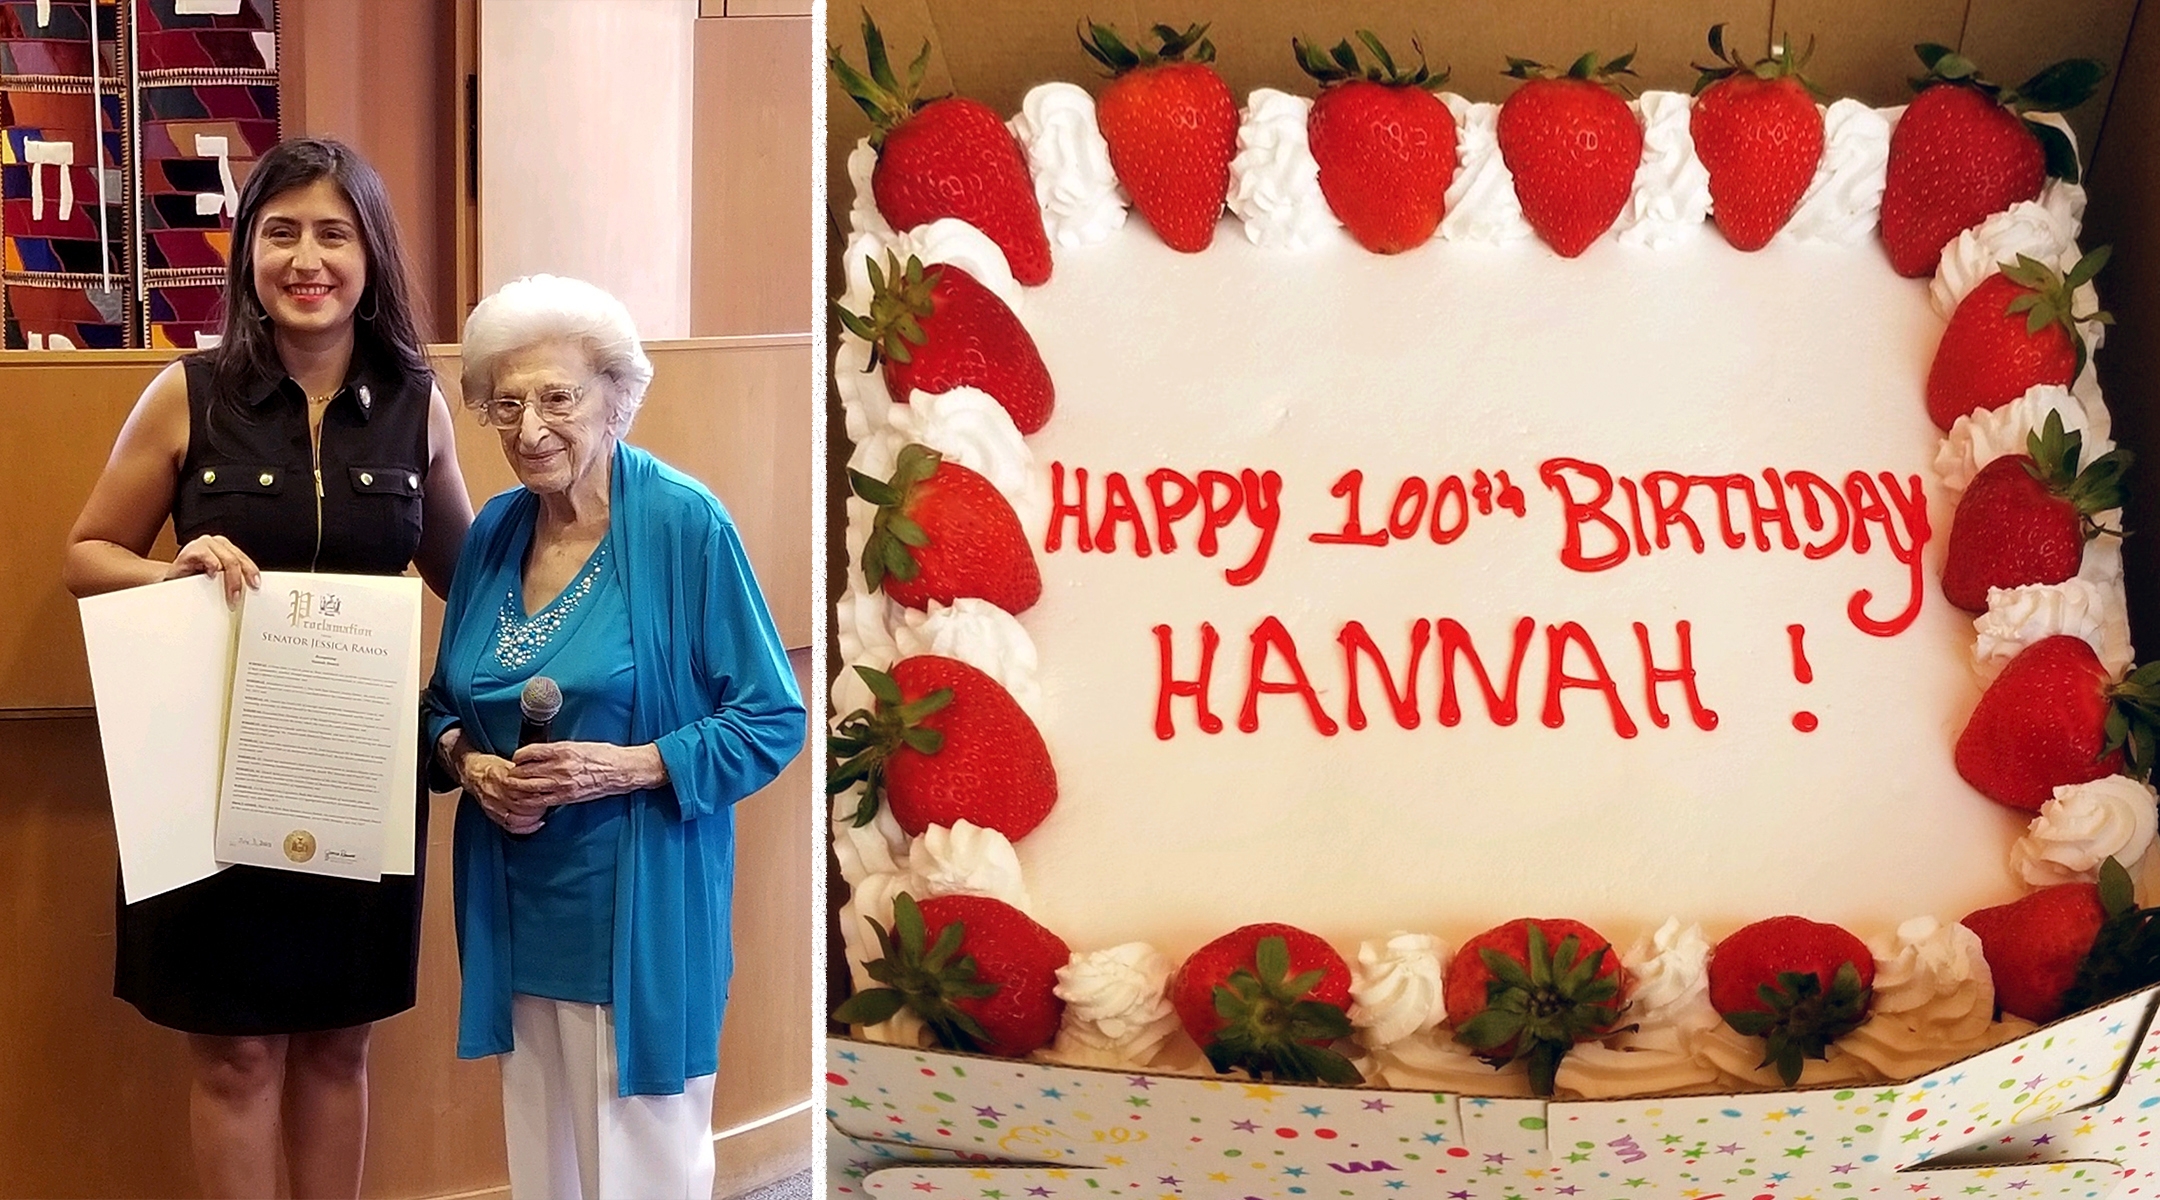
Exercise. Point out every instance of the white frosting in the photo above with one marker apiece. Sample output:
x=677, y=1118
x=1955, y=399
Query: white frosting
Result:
x=968, y=427
x=1481, y=202
x=1934, y=1001
x=2084, y=825
x=863, y=215
x=1274, y=180
x=1671, y=195
x=1116, y=1013
x=2020, y=616
x=1979, y=438
x=1395, y=987
x=1844, y=199
x=1079, y=194
x=967, y=860
x=1738, y=1061
x=980, y=634
x=2027, y=228
x=1436, y=1062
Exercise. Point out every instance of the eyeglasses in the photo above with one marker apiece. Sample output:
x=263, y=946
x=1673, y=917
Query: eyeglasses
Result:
x=554, y=405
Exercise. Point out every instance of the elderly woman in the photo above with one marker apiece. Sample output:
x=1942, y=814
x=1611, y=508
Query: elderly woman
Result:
x=593, y=870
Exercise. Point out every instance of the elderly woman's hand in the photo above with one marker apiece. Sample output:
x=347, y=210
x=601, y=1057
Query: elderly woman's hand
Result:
x=515, y=804
x=571, y=772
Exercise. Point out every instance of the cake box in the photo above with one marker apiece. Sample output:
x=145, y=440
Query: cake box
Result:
x=2064, y=1111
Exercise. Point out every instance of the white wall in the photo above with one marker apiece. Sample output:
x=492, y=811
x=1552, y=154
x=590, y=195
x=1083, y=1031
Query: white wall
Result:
x=585, y=120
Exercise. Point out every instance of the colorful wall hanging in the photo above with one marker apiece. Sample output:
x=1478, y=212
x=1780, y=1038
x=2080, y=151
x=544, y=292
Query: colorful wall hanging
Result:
x=126, y=130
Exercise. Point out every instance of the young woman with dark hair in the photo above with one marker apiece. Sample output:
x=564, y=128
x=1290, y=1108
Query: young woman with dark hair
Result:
x=312, y=437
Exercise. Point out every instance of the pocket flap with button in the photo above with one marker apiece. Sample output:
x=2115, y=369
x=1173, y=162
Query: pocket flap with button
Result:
x=384, y=481
x=240, y=477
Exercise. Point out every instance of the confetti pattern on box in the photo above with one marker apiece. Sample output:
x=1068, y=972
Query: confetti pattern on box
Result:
x=1729, y=1144
x=1216, y=1137
x=2067, y=1065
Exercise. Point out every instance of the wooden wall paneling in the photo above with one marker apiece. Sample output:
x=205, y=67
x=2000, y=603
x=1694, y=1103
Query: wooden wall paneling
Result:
x=382, y=75
x=2125, y=179
x=751, y=233
x=59, y=413
x=93, y=1099
x=759, y=8
x=1864, y=49
x=765, y=1048
x=2011, y=39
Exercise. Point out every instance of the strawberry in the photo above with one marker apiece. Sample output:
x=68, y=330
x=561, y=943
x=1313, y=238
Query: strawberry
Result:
x=943, y=532
x=2052, y=718
x=1384, y=142
x=1572, y=146
x=2015, y=331
x=1515, y=992
x=941, y=329
x=1172, y=129
x=1267, y=999
x=979, y=972
x=949, y=157
x=1965, y=149
x=2034, y=944
x=1758, y=132
x=1797, y=984
x=2025, y=517
x=944, y=743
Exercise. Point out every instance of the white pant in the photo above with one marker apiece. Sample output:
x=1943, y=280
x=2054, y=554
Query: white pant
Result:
x=572, y=1138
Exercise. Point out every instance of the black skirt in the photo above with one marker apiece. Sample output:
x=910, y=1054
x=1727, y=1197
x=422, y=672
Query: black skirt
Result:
x=253, y=951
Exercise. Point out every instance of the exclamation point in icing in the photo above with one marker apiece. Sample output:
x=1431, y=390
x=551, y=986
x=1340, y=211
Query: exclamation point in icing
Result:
x=1803, y=721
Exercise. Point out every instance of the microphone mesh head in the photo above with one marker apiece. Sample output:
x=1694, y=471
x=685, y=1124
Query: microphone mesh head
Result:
x=540, y=700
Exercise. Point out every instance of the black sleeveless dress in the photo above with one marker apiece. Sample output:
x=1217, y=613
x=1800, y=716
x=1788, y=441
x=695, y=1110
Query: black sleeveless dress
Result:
x=253, y=951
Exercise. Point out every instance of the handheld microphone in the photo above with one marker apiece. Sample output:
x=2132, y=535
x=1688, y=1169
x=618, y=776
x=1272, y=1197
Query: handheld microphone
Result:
x=537, y=706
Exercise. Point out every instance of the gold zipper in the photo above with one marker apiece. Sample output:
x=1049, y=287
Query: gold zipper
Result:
x=315, y=449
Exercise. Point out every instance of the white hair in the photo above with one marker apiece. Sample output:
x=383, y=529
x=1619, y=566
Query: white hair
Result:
x=549, y=308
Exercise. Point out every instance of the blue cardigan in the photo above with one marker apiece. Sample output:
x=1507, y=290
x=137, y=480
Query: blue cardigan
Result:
x=714, y=693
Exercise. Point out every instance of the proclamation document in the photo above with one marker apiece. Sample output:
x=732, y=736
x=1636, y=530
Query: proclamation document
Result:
x=322, y=732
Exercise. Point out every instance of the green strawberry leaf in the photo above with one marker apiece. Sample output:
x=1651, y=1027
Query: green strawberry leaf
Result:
x=870, y=1006
x=2058, y=151
x=2062, y=85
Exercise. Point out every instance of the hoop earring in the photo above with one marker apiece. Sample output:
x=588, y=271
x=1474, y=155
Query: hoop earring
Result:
x=370, y=316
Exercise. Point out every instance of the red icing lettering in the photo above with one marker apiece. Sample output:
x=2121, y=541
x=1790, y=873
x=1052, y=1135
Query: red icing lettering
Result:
x=1509, y=496
x=1801, y=669
x=1634, y=505
x=1481, y=491
x=1263, y=503
x=1909, y=506
x=1169, y=511
x=1353, y=534
x=1557, y=639
x=1118, y=507
x=1221, y=496
x=1666, y=513
x=1684, y=675
x=1554, y=472
x=1723, y=486
x=1271, y=638
x=1450, y=488
x=1408, y=511
x=1775, y=511
x=1402, y=700
x=1167, y=686
x=1810, y=485
x=1060, y=509
x=1500, y=706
